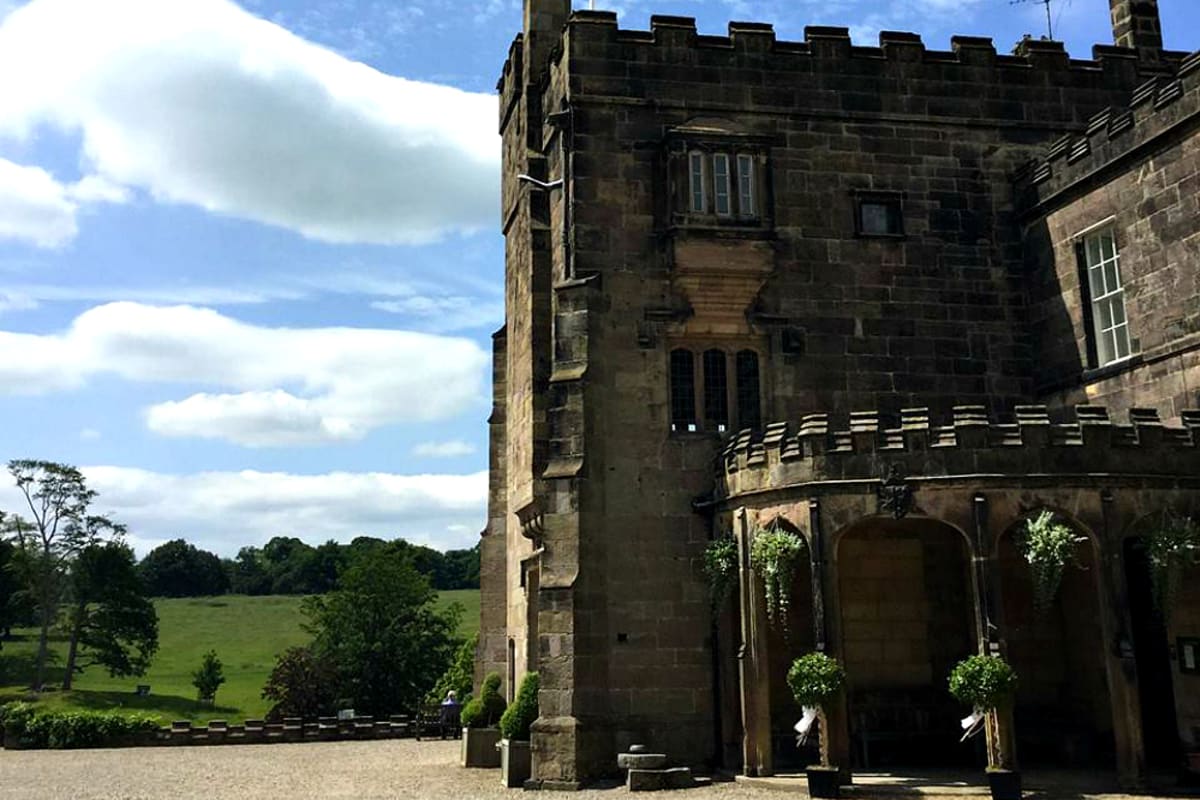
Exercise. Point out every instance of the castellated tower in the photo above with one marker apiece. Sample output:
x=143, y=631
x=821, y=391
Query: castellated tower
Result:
x=757, y=284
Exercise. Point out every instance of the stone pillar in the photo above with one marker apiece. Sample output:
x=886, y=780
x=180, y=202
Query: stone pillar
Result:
x=1119, y=653
x=1136, y=24
x=490, y=655
x=753, y=665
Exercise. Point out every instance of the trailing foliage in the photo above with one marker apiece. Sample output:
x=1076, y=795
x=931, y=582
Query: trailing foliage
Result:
x=485, y=710
x=518, y=719
x=208, y=678
x=773, y=554
x=71, y=729
x=1171, y=547
x=1048, y=545
x=301, y=684
x=983, y=682
x=815, y=679
x=459, y=677
x=720, y=567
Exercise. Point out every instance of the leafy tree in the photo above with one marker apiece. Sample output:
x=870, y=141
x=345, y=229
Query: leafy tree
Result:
x=302, y=684
x=460, y=675
x=111, y=622
x=57, y=497
x=208, y=678
x=179, y=569
x=382, y=633
x=248, y=573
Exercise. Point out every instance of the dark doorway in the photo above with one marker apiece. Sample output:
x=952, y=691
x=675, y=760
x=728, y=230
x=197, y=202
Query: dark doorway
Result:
x=1160, y=727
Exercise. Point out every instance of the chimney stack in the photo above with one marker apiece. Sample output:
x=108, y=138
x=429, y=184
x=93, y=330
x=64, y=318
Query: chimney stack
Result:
x=1136, y=24
x=544, y=20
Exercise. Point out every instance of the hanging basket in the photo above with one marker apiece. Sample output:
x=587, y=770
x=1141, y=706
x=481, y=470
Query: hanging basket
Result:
x=773, y=554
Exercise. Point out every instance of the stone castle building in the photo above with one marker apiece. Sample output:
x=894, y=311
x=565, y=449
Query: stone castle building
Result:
x=893, y=299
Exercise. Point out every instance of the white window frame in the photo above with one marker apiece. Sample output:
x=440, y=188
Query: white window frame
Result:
x=697, y=183
x=1106, y=294
x=747, y=200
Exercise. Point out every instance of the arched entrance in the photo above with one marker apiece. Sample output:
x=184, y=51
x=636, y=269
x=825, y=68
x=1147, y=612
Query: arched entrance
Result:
x=1062, y=712
x=906, y=618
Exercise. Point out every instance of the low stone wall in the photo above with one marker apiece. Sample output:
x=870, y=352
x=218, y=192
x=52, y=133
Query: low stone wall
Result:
x=252, y=731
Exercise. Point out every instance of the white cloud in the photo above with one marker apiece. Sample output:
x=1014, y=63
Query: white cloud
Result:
x=34, y=207
x=450, y=449
x=202, y=103
x=290, y=386
x=16, y=301
x=222, y=511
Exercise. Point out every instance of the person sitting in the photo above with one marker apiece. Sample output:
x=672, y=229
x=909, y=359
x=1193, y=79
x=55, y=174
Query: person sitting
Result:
x=449, y=716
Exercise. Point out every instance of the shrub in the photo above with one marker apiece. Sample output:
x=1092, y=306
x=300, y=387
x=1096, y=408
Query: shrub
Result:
x=72, y=729
x=301, y=684
x=459, y=676
x=982, y=682
x=485, y=710
x=815, y=679
x=518, y=718
x=208, y=678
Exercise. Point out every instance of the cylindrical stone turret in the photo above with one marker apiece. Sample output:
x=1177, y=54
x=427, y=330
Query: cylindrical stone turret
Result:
x=1136, y=24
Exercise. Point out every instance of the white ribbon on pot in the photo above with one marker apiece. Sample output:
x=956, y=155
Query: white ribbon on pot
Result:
x=805, y=724
x=972, y=724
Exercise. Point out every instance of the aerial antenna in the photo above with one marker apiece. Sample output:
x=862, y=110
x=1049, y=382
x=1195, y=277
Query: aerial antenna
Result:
x=1049, y=19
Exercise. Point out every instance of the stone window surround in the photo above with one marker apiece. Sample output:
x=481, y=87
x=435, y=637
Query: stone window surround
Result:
x=892, y=200
x=719, y=173
x=680, y=144
x=735, y=393
x=1091, y=322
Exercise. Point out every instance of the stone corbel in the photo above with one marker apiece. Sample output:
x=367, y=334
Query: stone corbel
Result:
x=532, y=521
x=895, y=493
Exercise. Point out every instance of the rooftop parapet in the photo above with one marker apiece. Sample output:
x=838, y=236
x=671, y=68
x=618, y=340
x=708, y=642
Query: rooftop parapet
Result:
x=968, y=443
x=1157, y=107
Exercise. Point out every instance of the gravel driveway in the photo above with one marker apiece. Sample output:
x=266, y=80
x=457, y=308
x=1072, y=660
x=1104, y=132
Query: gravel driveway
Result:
x=397, y=769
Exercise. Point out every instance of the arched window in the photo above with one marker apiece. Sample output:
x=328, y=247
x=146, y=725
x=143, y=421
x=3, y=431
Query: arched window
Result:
x=683, y=391
x=716, y=390
x=749, y=407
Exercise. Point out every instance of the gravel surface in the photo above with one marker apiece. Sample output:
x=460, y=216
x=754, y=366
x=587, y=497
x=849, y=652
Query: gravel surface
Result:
x=398, y=769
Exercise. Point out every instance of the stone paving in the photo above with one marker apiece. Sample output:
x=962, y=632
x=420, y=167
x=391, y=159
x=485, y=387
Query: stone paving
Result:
x=401, y=769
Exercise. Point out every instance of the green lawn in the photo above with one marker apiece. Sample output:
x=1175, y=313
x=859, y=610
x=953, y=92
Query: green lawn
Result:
x=246, y=632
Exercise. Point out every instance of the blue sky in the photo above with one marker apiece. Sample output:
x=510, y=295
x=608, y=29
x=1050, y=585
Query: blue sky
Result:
x=249, y=254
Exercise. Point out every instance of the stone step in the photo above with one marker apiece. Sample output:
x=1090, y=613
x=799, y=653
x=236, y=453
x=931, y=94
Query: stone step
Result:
x=652, y=780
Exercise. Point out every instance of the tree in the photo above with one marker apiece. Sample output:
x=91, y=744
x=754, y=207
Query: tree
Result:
x=58, y=499
x=248, y=573
x=459, y=677
x=302, y=684
x=381, y=632
x=208, y=678
x=179, y=569
x=111, y=622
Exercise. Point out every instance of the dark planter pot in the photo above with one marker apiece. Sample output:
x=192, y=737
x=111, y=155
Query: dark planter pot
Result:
x=823, y=781
x=479, y=747
x=1005, y=784
x=514, y=763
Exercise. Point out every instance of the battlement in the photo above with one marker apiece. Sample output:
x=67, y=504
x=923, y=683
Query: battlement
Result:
x=1155, y=108
x=860, y=448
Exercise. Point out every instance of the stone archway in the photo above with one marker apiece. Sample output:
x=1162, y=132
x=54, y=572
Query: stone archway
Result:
x=1062, y=711
x=907, y=615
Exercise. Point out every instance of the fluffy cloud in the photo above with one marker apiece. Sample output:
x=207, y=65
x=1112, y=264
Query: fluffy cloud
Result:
x=223, y=511
x=290, y=386
x=203, y=103
x=33, y=206
x=449, y=449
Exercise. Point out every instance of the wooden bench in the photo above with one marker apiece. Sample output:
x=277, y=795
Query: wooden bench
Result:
x=434, y=718
x=907, y=720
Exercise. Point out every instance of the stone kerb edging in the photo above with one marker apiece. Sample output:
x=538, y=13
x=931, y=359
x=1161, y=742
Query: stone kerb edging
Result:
x=863, y=446
x=1153, y=108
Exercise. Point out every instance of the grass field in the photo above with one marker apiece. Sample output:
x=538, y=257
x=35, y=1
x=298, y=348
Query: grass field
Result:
x=246, y=632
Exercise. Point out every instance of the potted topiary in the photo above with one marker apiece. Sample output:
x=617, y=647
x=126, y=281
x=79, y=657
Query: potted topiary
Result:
x=815, y=680
x=986, y=684
x=515, y=725
x=480, y=718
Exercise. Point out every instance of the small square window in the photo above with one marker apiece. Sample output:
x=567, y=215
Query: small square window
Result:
x=879, y=215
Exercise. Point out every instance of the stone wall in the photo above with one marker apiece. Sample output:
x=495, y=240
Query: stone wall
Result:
x=1138, y=168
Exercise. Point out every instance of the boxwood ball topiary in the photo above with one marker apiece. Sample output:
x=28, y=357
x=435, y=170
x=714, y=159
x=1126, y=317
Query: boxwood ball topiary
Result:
x=815, y=679
x=519, y=717
x=982, y=682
